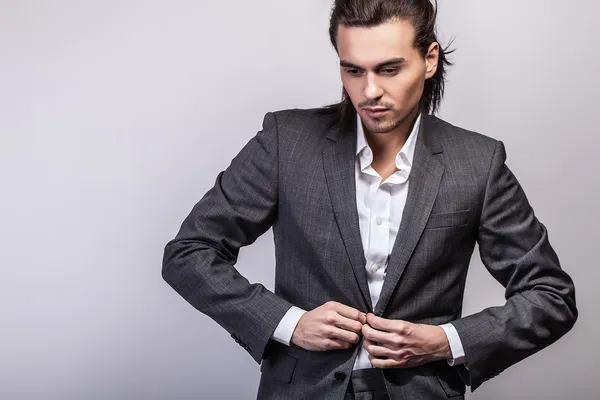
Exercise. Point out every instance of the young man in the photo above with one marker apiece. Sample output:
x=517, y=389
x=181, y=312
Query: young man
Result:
x=376, y=206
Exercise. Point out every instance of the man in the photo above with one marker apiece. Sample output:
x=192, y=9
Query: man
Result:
x=375, y=207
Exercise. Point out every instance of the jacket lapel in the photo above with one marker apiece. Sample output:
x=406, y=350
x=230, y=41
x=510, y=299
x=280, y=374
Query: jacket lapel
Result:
x=339, y=165
x=424, y=180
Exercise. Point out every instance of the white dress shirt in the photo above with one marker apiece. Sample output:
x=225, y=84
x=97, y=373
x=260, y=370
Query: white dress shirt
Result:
x=379, y=223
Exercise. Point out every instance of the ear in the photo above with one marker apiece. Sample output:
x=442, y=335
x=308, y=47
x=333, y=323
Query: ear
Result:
x=431, y=60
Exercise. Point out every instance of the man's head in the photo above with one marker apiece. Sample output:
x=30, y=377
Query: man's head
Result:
x=389, y=58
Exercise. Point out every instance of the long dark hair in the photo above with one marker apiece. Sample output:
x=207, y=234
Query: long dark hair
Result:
x=368, y=13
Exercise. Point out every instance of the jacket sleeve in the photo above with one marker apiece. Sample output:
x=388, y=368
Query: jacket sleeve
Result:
x=199, y=262
x=540, y=296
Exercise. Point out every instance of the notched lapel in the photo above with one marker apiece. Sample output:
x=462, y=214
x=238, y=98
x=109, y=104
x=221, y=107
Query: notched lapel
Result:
x=424, y=181
x=339, y=164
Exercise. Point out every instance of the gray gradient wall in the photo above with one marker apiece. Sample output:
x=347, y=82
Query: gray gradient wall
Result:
x=116, y=116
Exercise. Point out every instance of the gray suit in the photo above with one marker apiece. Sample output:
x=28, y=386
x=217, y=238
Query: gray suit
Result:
x=297, y=175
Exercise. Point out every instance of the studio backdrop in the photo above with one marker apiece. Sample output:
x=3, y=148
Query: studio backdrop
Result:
x=116, y=117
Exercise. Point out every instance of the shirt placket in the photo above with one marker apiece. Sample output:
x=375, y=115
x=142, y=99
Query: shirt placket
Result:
x=379, y=228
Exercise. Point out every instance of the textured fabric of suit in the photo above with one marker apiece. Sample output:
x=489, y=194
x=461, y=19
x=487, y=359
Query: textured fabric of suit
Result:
x=367, y=384
x=297, y=176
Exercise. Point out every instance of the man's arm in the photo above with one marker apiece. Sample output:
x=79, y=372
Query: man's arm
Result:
x=540, y=305
x=199, y=262
x=515, y=249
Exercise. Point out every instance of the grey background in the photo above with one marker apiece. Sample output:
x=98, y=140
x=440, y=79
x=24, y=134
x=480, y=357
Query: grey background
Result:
x=116, y=116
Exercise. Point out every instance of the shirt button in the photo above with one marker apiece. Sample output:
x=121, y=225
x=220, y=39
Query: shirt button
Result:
x=379, y=221
x=374, y=268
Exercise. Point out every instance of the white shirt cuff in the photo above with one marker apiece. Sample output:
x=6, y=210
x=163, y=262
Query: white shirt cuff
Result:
x=456, y=347
x=285, y=330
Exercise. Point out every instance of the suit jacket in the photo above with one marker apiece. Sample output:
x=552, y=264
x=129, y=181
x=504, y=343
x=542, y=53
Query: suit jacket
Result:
x=297, y=176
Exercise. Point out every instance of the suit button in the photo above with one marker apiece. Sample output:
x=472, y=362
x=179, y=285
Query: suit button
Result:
x=339, y=376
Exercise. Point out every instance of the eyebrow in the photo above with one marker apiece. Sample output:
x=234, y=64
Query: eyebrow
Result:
x=388, y=63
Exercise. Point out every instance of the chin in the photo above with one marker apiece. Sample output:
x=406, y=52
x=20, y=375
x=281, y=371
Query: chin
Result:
x=381, y=126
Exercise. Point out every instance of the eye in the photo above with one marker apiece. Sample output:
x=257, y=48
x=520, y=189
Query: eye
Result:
x=390, y=71
x=353, y=72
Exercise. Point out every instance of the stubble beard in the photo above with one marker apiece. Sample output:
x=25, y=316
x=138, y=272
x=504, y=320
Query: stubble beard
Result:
x=381, y=127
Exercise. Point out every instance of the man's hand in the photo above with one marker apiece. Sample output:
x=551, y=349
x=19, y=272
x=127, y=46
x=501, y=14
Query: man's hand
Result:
x=332, y=326
x=401, y=344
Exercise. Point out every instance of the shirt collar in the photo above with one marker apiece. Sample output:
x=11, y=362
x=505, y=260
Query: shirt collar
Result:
x=404, y=158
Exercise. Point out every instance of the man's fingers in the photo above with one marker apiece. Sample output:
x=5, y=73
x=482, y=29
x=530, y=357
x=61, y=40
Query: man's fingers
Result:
x=348, y=324
x=388, y=325
x=346, y=336
x=376, y=350
x=386, y=338
x=348, y=312
x=384, y=362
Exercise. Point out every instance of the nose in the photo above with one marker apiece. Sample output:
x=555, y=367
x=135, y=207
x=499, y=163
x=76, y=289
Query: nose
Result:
x=372, y=89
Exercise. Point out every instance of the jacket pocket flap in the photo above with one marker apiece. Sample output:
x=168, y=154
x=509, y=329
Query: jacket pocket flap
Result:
x=448, y=219
x=280, y=366
x=451, y=381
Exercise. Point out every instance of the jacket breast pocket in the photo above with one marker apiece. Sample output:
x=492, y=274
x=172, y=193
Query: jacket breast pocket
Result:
x=448, y=219
x=280, y=366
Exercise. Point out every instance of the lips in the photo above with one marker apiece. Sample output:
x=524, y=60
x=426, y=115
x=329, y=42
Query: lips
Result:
x=376, y=112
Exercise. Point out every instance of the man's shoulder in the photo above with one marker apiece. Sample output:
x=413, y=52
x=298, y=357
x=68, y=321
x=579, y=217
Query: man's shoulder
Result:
x=452, y=132
x=316, y=113
x=311, y=120
x=455, y=138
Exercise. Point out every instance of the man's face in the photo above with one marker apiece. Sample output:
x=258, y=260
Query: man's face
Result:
x=381, y=69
